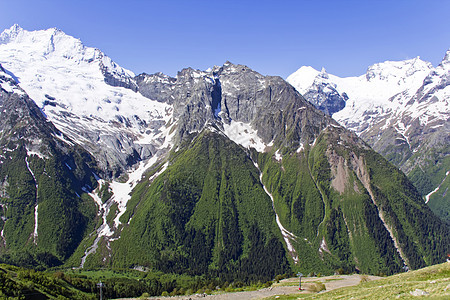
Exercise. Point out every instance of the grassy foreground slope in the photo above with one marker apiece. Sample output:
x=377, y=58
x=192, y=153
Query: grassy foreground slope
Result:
x=433, y=281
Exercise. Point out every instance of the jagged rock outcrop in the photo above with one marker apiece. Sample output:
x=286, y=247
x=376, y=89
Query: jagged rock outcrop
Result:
x=234, y=93
x=114, y=74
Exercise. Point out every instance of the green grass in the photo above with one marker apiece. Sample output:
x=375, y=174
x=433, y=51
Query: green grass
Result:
x=434, y=280
x=294, y=281
x=19, y=283
x=106, y=273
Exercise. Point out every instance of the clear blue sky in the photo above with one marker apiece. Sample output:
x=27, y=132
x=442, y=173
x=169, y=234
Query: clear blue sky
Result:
x=272, y=37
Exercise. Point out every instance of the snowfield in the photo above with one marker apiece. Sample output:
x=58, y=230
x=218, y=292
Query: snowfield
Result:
x=66, y=80
x=409, y=96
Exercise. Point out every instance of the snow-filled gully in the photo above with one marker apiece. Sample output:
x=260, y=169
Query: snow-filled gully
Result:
x=2, y=233
x=287, y=235
x=427, y=197
x=121, y=195
x=35, y=232
x=104, y=229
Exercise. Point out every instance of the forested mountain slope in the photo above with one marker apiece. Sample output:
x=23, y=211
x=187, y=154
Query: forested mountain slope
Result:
x=224, y=172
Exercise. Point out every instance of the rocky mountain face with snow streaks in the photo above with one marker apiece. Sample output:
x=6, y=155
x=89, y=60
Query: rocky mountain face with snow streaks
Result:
x=402, y=110
x=43, y=175
x=224, y=172
x=321, y=91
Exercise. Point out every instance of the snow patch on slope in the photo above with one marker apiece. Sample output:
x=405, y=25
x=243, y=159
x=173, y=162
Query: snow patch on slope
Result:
x=38, y=154
x=301, y=148
x=427, y=197
x=323, y=246
x=154, y=176
x=4, y=219
x=244, y=135
x=122, y=191
x=104, y=229
x=9, y=87
x=278, y=156
x=121, y=194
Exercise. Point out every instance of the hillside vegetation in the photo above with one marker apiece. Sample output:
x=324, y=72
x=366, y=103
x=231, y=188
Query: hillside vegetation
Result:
x=432, y=282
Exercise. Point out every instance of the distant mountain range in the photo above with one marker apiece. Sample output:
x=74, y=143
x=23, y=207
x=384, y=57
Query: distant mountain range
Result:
x=402, y=109
x=224, y=173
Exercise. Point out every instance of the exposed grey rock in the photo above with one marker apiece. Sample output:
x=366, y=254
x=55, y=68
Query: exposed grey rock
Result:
x=324, y=96
x=156, y=87
x=235, y=92
x=41, y=171
x=114, y=78
x=274, y=108
x=16, y=105
x=24, y=128
x=418, y=292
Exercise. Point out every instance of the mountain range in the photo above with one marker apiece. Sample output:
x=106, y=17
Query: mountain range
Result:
x=223, y=172
x=401, y=109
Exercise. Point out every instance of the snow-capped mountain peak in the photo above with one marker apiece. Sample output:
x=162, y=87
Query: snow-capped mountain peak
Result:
x=54, y=43
x=397, y=71
x=303, y=78
x=46, y=42
x=384, y=88
x=10, y=34
x=318, y=88
x=80, y=87
x=445, y=63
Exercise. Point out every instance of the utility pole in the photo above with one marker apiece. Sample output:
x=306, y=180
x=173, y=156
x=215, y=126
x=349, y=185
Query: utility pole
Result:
x=300, y=284
x=101, y=285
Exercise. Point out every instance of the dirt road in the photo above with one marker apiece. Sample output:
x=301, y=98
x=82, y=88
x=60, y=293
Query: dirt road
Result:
x=284, y=287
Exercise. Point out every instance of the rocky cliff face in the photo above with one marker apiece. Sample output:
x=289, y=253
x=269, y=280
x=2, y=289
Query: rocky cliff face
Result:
x=85, y=99
x=114, y=74
x=292, y=146
x=235, y=94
